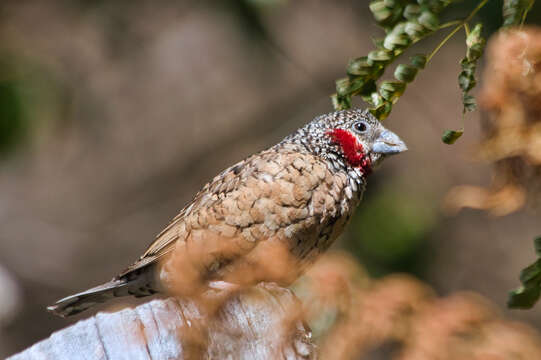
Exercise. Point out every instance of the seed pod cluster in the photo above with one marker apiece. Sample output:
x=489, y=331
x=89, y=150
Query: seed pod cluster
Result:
x=514, y=11
x=466, y=79
x=405, y=23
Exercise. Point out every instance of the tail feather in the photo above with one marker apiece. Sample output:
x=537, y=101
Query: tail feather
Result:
x=77, y=303
x=74, y=304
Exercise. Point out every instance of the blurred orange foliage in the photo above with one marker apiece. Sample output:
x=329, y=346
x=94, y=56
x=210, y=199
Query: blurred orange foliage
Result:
x=401, y=310
x=511, y=98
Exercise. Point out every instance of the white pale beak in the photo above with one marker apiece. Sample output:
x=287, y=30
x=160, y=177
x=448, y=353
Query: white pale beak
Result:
x=388, y=143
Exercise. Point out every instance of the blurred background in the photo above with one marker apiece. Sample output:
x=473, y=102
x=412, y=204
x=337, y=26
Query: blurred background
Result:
x=113, y=114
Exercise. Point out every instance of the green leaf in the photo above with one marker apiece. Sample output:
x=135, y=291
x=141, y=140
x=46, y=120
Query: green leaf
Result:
x=537, y=245
x=450, y=136
x=523, y=297
x=529, y=292
x=531, y=274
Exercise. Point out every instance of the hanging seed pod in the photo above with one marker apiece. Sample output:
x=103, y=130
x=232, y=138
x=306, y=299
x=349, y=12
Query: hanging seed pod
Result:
x=405, y=73
x=466, y=82
x=368, y=88
x=380, y=56
x=340, y=103
x=414, y=30
x=395, y=41
x=412, y=11
x=419, y=61
x=360, y=67
x=380, y=69
x=356, y=85
x=429, y=20
x=386, y=12
x=391, y=90
x=342, y=87
x=434, y=5
x=450, y=136
x=381, y=12
x=475, y=43
x=374, y=99
x=382, y=111
x=334, y=100
x=397, y=38
x=466, y=79
x=469, y=102
x=404, y=23
x=514, y=10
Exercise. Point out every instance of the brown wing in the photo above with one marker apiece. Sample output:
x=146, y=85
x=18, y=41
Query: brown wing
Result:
x=165, y=241
x=269, y=195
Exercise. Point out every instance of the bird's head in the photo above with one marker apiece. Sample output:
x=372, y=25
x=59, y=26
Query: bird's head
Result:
x=352, y=137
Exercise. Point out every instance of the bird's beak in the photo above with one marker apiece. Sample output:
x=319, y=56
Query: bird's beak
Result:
x=388, y=143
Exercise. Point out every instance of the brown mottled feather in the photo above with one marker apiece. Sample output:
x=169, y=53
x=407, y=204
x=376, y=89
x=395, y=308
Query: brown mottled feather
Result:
x=256, y=198
x=262, y=219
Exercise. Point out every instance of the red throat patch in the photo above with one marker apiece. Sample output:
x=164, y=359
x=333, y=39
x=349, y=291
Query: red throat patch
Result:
x=352, y=149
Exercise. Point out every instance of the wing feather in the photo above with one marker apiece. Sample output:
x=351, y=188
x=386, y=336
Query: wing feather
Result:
x=227, y=181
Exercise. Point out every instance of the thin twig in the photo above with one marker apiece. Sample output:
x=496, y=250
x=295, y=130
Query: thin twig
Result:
x=449, y=24
x=458, y=27
x=526, y=13
x=450, y=35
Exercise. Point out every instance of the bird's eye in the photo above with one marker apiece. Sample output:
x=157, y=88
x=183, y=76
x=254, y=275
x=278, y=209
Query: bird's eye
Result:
x=360, y=126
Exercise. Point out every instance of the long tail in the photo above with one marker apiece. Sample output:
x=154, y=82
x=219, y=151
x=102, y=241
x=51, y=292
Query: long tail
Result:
x=77, y=303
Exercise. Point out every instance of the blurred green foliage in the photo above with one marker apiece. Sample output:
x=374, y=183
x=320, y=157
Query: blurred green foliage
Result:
x=12, y=122
x=30, y=95
x=529, y=292
x=389, y=231
x=247, y=14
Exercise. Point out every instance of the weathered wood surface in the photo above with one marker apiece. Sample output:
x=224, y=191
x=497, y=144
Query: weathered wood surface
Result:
x=259, y=323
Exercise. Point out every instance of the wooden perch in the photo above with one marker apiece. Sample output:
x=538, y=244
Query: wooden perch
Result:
x=259, y=323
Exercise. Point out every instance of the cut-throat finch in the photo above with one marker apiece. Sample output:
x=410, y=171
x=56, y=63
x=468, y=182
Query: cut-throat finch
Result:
x=263, y=219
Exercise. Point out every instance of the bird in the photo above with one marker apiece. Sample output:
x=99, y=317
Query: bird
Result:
x=263, y=219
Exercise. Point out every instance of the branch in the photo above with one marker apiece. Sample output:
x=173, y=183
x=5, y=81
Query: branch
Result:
x=259, y=323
